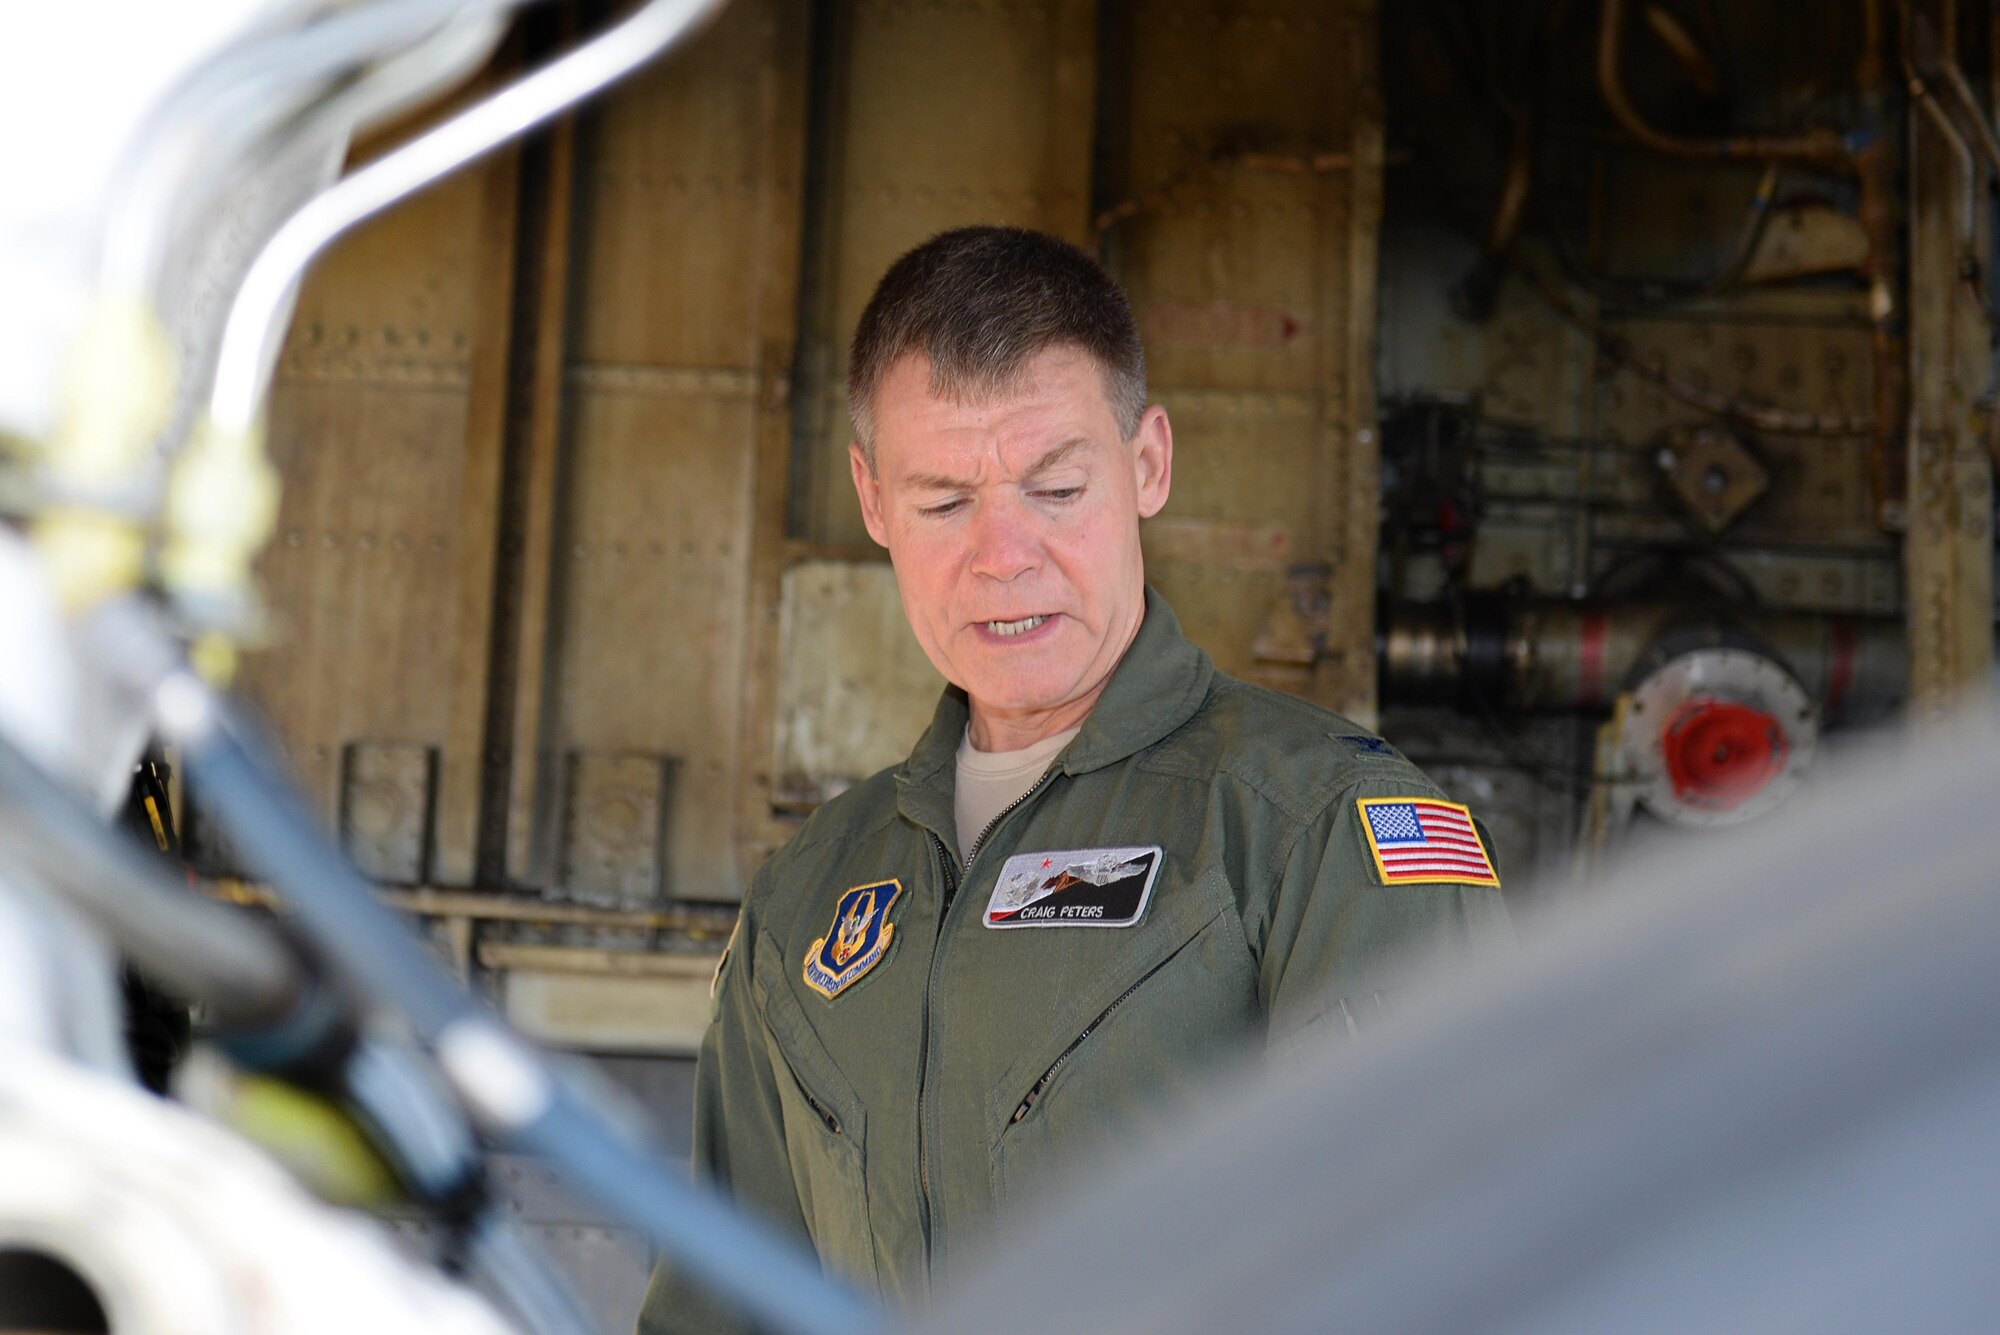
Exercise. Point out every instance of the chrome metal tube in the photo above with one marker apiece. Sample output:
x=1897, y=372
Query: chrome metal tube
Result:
x=225, y=107
x=248, y=336
x=1550, y=654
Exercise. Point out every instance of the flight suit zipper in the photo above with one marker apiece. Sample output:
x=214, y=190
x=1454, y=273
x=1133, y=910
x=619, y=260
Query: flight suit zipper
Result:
x=924, y=1046
x=1035, y=1090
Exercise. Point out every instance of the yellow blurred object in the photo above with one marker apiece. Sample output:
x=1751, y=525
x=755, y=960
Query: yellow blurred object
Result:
x=92, y=555
x=314, y=1138
x=214, y=657
x=117, y=394
x=221, y=505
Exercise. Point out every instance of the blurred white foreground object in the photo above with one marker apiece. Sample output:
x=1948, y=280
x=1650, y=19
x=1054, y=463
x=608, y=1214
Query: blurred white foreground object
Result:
x=57, y=68
x=177, y=1227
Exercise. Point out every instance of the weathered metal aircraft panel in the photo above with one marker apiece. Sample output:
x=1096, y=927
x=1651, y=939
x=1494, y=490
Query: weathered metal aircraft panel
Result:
x=685, y=265
x=1241, y=512
x=652, y=600
x=854, y=688
x=950, y=112
x=1254, y=138
x=372, y=428
x=673, y=261
x=1948, y=555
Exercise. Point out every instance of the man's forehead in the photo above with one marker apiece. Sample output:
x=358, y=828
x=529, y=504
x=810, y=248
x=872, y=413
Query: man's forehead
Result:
x=1058, y=372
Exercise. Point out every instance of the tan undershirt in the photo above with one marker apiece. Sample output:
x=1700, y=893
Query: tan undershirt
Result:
x=990, y=781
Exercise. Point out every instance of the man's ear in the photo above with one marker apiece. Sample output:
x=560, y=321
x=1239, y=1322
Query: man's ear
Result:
x=1153, y=458
x=868, y=488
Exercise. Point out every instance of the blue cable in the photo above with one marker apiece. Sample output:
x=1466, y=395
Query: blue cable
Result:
x=383, y=958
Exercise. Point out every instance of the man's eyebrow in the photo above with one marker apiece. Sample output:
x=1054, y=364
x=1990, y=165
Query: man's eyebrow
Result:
x=937, y=482
x=942, y=482
x=1055, y=456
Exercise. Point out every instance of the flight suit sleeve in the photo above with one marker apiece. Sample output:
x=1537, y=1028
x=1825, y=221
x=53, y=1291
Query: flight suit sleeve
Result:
x=1335, y=922
x=739, y=1144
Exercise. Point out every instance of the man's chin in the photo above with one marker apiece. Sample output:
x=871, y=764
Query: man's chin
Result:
x=1017, y=699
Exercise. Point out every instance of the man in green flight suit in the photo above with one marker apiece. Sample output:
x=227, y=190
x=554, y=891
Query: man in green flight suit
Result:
x=1104, y=863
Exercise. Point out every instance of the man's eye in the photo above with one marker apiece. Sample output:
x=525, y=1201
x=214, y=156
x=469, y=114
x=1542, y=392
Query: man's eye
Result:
x=939, y=509
x=1060, y=493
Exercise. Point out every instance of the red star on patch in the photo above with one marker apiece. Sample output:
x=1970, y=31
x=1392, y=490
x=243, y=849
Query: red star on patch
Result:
x=1046, y=863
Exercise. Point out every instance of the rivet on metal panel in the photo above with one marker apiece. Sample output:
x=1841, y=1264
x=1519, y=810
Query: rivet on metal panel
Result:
x=386, y=801
x=614, y=827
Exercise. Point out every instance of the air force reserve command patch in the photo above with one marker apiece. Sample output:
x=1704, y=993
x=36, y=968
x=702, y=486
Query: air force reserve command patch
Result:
x=857, y=940
x=1420, y=839
x=1082, y=887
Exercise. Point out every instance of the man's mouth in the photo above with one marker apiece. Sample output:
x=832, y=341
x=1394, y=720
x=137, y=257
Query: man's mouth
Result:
x=1021, y=627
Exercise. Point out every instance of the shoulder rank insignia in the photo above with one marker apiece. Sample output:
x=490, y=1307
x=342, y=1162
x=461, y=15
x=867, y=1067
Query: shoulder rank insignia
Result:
x=1422, y=840
x=857, y=940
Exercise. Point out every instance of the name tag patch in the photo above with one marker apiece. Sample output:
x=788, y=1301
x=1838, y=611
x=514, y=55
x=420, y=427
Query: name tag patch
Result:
x=1078, y=887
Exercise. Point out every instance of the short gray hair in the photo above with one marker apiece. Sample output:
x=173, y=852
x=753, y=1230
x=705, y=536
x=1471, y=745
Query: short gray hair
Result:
x=979, y=303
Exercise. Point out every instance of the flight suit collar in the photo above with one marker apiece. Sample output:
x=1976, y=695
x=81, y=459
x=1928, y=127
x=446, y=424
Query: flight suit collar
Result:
x=1156, y=687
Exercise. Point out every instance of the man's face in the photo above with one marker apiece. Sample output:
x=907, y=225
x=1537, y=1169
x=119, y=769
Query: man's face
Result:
x=1013, y=525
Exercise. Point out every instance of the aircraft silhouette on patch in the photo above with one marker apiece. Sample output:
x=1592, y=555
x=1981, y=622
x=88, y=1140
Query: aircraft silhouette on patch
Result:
x=1087, y=887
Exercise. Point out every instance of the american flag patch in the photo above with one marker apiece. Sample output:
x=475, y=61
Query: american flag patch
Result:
x=1421, y=839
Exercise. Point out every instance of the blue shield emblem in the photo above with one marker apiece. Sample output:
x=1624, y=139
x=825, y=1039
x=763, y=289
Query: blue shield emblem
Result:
x=857, y=940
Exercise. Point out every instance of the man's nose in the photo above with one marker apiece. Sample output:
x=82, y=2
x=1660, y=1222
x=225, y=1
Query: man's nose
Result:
x=1005, y=544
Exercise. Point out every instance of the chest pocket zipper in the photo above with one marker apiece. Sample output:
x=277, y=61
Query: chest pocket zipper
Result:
x=820, y=1110
x=1036, y=1090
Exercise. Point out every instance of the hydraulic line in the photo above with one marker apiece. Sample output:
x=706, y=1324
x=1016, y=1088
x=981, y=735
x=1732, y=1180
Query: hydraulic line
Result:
x=518, y=1271
x=519, y=1100
x=425, y=159
x=222, y=500
x=1821, y=147
x=195, y=947
x=229, y=103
